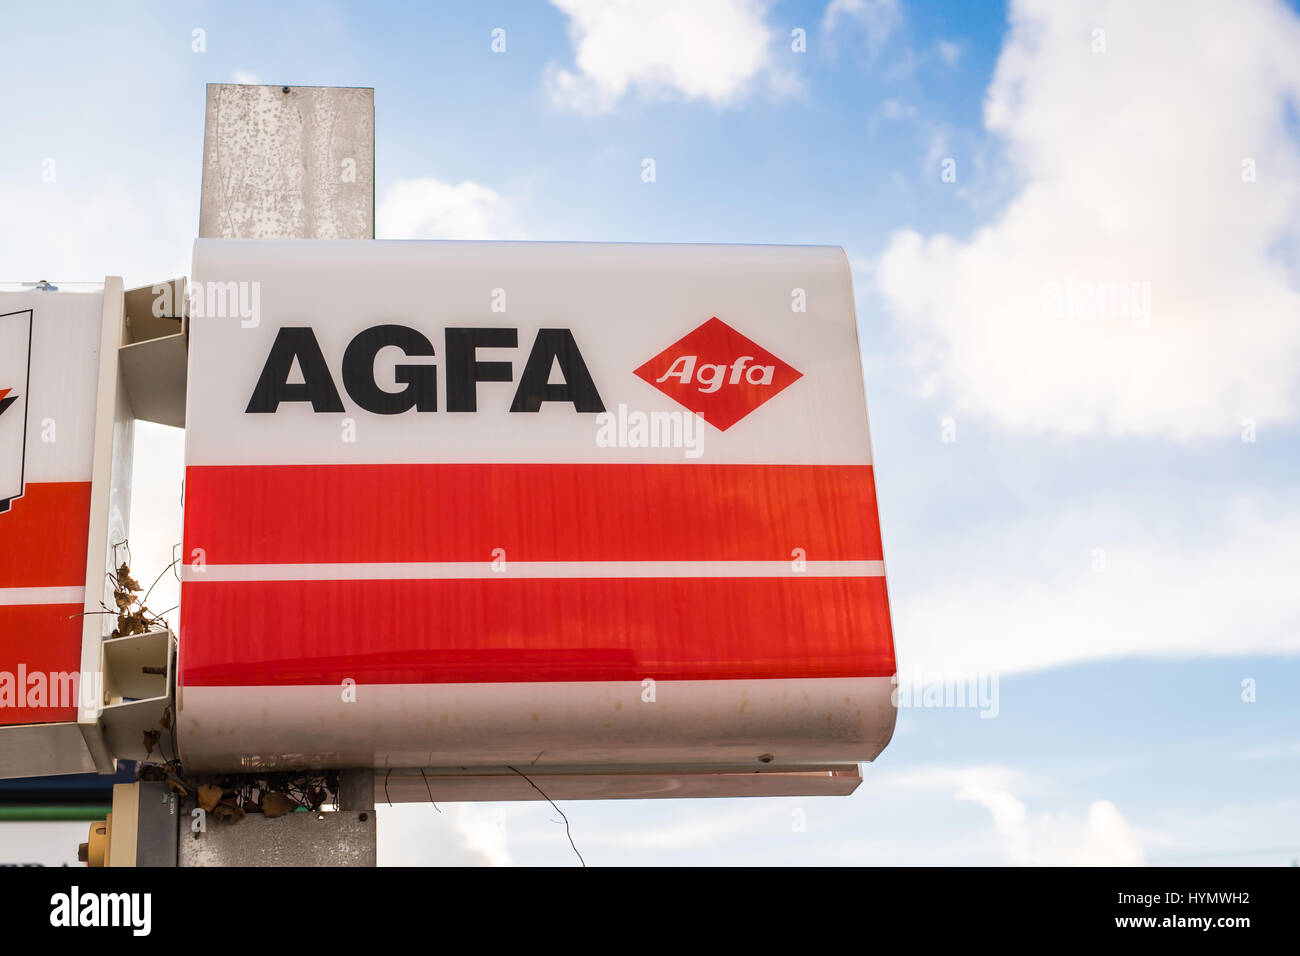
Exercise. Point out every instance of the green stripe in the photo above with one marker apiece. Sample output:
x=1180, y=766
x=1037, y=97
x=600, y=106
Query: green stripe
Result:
x=52, y=811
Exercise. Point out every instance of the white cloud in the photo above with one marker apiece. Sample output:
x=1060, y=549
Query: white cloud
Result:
x=1101, y=838
x=878, y=19
x=247, y=77
x=429, y=208
x=462, y=834
x=1029, y=595
x=949, y=51
x=892, y=109
x=699, y=51
x=120, y=230
x=939, y=149
x=1131, y=163
x=1107, y=841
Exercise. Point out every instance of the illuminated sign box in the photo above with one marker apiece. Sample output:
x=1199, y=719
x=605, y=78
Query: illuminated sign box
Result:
x=561, y=505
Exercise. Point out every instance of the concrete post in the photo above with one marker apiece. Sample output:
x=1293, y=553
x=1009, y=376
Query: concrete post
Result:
x=290, y=162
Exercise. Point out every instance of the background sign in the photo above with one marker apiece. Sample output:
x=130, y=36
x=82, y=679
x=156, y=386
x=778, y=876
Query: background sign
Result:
x=49, y=344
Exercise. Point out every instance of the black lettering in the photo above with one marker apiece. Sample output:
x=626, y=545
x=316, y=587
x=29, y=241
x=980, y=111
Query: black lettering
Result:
x=552, y=346
x=421, y=392
x=317, y=386
x=464, y=371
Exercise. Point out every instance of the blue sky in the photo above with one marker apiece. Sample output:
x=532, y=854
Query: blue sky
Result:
x=1098, y=534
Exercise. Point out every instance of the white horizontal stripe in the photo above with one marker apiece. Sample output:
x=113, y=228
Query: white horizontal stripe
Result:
x=11, y=596
x=434, y=570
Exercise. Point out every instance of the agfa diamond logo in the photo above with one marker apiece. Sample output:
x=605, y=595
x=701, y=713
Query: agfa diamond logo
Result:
x=718, y=373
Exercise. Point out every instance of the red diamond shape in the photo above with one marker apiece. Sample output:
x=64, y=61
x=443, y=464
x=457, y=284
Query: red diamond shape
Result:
x=718, y=373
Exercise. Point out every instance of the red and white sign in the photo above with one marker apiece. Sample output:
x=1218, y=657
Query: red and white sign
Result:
x=49, y=344
x=454, y=504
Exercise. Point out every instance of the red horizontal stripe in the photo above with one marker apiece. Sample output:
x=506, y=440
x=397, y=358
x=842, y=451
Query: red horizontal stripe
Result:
x=513, y=630
x=537, y=512
x=46, y=638
x=43, y=536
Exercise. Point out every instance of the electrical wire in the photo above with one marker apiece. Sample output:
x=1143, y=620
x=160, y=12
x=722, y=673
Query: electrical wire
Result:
x=430, y=790
x=567, y=831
